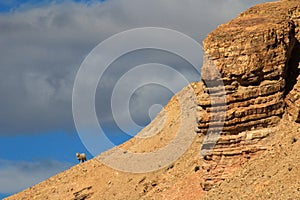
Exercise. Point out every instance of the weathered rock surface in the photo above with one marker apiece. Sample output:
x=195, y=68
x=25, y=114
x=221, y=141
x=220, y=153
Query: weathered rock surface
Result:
x=273, y=174
x=257, y=56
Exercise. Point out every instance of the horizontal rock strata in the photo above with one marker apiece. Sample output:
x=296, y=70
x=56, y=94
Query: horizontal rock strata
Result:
x=257, y=58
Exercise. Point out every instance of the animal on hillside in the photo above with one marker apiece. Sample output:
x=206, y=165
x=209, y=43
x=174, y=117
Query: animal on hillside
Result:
x=81, y=157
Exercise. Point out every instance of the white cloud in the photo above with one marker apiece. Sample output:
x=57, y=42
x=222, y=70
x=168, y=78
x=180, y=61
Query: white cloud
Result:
x=41, y=50
x=18, y=175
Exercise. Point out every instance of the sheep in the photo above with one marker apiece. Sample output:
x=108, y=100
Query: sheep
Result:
x=81, y=157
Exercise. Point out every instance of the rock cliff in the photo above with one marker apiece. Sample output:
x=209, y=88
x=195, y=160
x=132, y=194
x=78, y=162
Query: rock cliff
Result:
x=257, y=55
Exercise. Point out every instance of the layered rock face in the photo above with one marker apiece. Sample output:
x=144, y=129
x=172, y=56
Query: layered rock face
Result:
x=257, y=56
x=293, y=98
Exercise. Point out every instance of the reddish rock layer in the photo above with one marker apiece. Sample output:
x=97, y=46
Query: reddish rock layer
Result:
x=257, y=56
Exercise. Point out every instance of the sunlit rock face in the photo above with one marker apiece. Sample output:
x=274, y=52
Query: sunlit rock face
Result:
x=257, y=55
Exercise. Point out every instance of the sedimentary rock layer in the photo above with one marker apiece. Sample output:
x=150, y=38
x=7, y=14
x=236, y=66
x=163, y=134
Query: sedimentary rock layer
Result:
x=257, y=57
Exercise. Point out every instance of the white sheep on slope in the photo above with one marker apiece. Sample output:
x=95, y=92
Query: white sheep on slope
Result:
x=81, y=157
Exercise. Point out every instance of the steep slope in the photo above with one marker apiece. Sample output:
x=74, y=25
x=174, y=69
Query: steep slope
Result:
x=256, y=156
x=94, y=180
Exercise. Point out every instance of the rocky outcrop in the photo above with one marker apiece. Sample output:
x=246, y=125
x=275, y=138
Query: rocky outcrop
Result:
x=257, y=56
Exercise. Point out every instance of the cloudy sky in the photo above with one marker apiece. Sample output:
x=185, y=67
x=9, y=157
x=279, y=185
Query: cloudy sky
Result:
x=43, y=44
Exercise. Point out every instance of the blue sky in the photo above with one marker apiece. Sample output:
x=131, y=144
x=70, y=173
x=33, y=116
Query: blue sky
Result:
x=11, y=5
x=43, y=43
